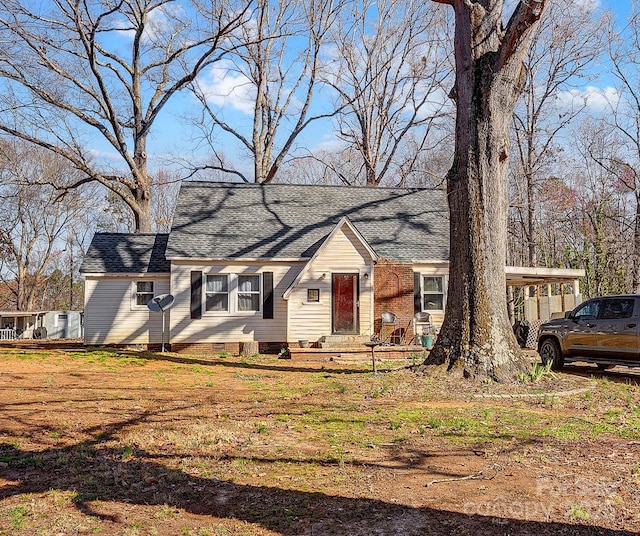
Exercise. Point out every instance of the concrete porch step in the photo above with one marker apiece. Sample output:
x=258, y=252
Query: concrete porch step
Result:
x=357, y=354
x=343, y=341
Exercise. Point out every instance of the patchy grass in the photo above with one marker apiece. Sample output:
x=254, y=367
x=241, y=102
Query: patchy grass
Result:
x=113, y=442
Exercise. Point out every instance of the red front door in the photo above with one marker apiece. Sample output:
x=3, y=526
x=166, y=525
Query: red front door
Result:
x=345, y=303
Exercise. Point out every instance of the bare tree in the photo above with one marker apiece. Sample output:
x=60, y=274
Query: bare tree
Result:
x=320, y=166
x=165, y=187
x=272, y=77
x=476, y=336
x=34, y=222
x=563, y=48
x=603, y=215
x=74, y=72
x=390, y=65
x=624, y=52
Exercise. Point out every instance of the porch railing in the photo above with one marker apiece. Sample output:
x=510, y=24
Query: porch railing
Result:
x=8, y=334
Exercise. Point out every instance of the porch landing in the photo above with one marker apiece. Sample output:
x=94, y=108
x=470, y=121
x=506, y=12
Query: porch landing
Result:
x=360, y=353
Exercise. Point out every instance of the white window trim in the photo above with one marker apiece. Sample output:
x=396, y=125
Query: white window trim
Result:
x=445, y=282
x=228, y=293
x=57, y=319
x=250, y=293
x=134, y=293
x=233, y=295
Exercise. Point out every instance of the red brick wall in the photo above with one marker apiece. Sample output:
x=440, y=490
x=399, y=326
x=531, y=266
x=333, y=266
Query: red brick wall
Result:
x=214, y=348
x=393, y=292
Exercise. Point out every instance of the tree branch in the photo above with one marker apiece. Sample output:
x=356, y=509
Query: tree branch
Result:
x=526, y=14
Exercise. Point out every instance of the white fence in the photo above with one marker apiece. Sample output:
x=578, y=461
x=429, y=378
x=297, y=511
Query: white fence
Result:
x=550, y=306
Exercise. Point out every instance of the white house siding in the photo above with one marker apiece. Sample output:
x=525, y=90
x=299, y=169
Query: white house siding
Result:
x=435, y=269
x=344, y=253
x=110, y=316
x=229, y=327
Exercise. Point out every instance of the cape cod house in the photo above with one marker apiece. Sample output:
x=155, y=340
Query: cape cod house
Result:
x=277, y=264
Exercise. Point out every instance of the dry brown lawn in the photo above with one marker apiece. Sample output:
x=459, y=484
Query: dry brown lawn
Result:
x=122, y=443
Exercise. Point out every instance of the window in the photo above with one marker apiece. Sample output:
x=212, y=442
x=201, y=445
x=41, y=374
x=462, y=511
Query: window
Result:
x=313, y=295
x=144, y=293
x=217, y=293
x=248, y=293
x=618, y=308
x=589, y=311
x=432, y=293
x=233, y=293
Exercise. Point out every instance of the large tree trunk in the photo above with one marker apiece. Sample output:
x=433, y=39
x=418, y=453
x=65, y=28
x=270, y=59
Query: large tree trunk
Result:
x=141, y=208
x=476, y=335
x=142, y=215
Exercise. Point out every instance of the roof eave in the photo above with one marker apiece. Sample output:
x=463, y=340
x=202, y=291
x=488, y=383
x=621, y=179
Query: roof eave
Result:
x=239, y=259
x=125, y=274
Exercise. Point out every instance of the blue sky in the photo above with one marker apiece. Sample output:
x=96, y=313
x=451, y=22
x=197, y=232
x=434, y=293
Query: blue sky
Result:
x=171, y=136
x=617, y=6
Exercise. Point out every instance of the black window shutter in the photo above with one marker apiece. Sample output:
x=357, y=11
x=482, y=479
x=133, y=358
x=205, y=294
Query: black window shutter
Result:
x=196, y=294
x=417, y=295
x=267, y=293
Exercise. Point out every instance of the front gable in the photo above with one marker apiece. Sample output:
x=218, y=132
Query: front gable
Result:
x=344, y=253
x=344, y=248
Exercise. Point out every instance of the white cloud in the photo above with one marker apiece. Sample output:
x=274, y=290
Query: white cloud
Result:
x=223, y=86
x=595, y=98
x=105, y=155
x=587, y=5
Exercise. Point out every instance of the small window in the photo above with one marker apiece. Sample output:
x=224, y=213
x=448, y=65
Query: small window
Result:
x=248, y=293
x=313, y=295
x=217, y=293
x=432, y=293
x=589, y=311
x=144, y=292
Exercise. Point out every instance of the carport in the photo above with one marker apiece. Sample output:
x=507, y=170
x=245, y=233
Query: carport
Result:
x=546, y=293
x=539, y=284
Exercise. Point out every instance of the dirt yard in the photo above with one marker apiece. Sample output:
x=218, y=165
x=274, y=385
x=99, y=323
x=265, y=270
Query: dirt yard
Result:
x=117, y=443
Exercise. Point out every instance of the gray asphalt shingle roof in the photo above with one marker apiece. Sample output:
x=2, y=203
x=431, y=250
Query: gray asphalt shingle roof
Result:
x=126, y=253
x=234, y=220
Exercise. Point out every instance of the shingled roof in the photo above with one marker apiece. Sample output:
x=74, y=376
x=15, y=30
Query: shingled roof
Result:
x=126, y=253
x=272, y=221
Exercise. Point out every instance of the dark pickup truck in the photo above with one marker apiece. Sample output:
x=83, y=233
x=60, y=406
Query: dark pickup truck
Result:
x=605, y=331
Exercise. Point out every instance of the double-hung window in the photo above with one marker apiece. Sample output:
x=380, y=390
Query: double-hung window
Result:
x=217, y=292
x=248, y=293
x=143, y=293
x=432, y=293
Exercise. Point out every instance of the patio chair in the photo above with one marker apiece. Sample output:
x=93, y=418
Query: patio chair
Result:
x=421, y=325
